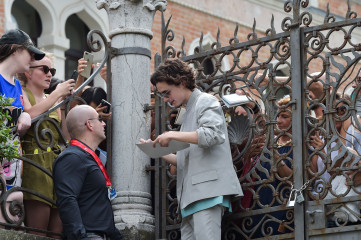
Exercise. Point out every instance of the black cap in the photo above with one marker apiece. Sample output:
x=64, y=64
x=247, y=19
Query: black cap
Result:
x=16, y=36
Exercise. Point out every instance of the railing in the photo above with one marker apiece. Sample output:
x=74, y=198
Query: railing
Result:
x=302, y=203
x=45, y=139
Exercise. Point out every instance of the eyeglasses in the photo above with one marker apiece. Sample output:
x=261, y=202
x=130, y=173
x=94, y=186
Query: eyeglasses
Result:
x=99, y=118
x=46, y=69
x=163, y=94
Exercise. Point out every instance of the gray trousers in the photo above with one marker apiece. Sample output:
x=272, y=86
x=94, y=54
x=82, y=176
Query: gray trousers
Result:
x=203, y=225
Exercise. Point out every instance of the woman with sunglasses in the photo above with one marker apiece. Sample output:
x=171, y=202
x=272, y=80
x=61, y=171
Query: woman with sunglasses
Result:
x=40, y=213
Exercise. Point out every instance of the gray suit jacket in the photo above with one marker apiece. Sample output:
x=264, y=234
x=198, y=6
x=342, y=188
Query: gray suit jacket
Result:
x=205, y=170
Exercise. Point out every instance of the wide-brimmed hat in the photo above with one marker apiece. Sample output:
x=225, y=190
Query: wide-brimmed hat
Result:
x=16, y=36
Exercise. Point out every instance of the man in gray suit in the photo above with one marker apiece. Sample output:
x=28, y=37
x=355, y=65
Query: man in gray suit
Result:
x=206, y=180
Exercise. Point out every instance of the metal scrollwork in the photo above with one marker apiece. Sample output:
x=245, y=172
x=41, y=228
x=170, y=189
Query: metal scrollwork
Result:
x=264, y=69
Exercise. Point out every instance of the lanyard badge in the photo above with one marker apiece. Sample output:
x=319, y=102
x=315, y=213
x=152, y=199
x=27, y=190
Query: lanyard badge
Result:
x=111, y=191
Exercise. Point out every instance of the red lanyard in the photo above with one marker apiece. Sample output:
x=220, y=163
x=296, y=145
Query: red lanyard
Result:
x=96, y=158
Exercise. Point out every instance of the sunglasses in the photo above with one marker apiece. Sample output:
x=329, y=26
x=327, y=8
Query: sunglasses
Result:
x=46, y=69
x=99, y=118
x=163, y=94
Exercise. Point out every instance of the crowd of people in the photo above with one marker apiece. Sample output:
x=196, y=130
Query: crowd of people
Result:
x=52, y=202
x=207, y=183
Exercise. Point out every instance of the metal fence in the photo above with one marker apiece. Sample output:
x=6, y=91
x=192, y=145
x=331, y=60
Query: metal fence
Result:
x=301, y=180
x=46, y=137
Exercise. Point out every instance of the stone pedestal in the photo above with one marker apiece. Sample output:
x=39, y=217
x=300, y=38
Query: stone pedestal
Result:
x=130, y=33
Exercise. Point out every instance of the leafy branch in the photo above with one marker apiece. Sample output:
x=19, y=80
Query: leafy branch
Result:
x=8, y=148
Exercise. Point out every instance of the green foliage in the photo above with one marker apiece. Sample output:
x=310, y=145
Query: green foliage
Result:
x=8, y=148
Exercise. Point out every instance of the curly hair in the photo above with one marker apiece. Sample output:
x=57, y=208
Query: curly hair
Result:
x=283, y=101
x=174, y=72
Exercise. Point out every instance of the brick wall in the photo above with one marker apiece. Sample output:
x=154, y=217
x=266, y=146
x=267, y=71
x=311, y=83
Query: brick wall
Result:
x=190, y=23
x=339, y=7
x=2, y=19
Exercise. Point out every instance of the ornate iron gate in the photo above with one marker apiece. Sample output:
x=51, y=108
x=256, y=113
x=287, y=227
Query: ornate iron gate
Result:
x=318, y=195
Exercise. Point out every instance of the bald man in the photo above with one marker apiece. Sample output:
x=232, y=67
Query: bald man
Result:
x=82, y=185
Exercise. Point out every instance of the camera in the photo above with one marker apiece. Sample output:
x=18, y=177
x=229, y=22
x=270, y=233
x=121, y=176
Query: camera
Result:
x=107, y=104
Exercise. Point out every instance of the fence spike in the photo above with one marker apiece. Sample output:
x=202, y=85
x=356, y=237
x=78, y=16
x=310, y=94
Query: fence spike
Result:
x=272, y=30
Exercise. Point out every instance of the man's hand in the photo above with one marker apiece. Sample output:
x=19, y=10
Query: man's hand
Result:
x=163, y=139
x=24, y=123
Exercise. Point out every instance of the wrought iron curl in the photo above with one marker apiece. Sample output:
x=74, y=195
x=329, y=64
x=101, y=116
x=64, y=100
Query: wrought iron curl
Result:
x=227, y=86
x=169, y=34
x=320, y=187
x=174, y=235
x=171, y=52
x=94, y=44
x=267, y=230
x=46, y=134
x=341, y=220
x=318, y=43
x=15, y=208
x=287, y=7
x=286, y=24
x=306, y=18
x=304, y=3
x=282, y=49
x=230, y=233
x=290, y=214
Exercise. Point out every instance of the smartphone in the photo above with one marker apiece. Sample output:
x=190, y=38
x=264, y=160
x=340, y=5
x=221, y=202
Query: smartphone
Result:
x=74, y=75
x=87, y=70
x=105, y=103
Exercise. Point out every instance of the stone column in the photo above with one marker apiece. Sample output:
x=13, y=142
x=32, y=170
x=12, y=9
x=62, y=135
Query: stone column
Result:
x=130, y=33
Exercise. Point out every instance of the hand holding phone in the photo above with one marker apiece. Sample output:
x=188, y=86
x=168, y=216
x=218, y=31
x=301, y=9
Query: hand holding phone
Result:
x=107, y=104
x=87, y=70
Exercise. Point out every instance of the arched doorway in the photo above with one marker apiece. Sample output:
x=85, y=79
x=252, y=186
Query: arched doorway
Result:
x=76, y=30
x=27, y=19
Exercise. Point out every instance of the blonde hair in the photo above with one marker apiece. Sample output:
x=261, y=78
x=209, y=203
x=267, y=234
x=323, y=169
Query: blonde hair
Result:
x=283, y=101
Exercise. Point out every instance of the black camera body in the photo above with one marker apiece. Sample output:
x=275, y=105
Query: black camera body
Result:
x=107, y=104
